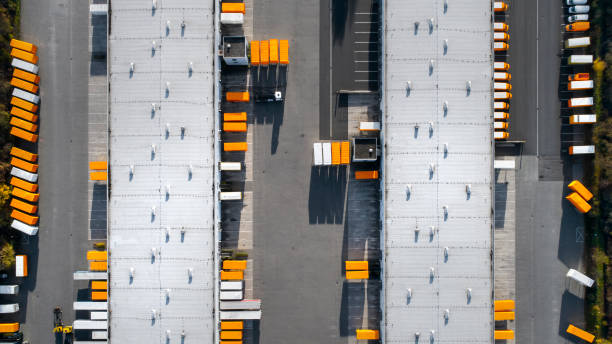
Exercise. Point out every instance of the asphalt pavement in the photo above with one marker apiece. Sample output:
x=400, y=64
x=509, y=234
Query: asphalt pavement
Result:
x=60, y=29
x=548, y=230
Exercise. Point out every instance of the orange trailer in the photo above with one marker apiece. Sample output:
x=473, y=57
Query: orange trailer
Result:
x=264, y=53
x=24, y=165
x=366, y=174
x=235, y=146
x=22, y=134
x=24, y=55
x=28, y=196
x=23, y=206
x=235, y=126
x=24, y=85
x=29, y=126
x=25, y=46
x=26, y=105
x=23, y=217
x=27, y=76
x=20, y=183
x=27, y=115
x=274, y=51
x=235, y=117
x=23, y=154
x=284, y=52
x=254, y=53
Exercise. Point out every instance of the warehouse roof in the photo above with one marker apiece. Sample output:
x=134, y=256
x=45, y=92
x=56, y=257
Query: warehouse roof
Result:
x=438, y=171
x=161, y=239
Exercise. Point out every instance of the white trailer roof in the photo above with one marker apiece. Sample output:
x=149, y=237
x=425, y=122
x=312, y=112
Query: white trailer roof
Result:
x=438, y=78
x=161, y=238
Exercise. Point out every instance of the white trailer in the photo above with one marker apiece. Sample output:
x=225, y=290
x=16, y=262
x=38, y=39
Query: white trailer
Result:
x=580, y=59
x=230, y=295
x=497, y=115
x=327, y=154
x=576, y=150
x=500, y=66
x=230, y=195
x=583, y=119
x=240, y=315
x=98, y=315
x=232, y=18
x=504, y=164
x=317, y=151
x=99, y=335
x=27, y=66
x=24, y=227
x=580, y=85
x=230, y=166
x=89, y=275
x=21, y=265
x=90, y=306
x=9, y=289
x=240, y=305
x=31, y=97
x=369, y=126
x=9, y=308
x=578, y=42
x=580, y=102
x=580, y=278
x=231, y=285
x=19, y=173
x=89, y=325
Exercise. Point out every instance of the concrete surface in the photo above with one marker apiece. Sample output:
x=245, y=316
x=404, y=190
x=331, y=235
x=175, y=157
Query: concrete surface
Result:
x=548, y=228
x=59, y=28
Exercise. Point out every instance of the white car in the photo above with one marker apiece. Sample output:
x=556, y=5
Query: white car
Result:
x=577, y=17
x=576, y=2
x=579, y=9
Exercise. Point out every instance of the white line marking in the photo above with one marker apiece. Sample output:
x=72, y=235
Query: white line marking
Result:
x=366, y=22
x=369, y=42
x=366, y=80
x=366, y=71
x=366, y=12
x=366, y=51
x=366, y=61
x=365, y=32
x=537, y=80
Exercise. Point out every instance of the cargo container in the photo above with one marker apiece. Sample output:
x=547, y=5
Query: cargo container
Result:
x=501, y=66
x=580, y=278
x=237, y=96
x=580, y=85
x=24, y=165
x=26, y=195
x=25, y=125
x=230, y=166
x=504, y=305
x=283, y=52
x=235, y=117
x=577, y=42
x=21, y=265
x=31, y=97
x=27, y=66
x=23, y=154
x=501, y=106
x=24, y=85
x=503, y=334
x=30, y=177
x=502, y=95
x=502, y=76
x=580, y=102
x=583, y=119
x=22, y=184
x=580, y=59
x=578, y=202
x=24, y=104
x=500, y=26
x=27, y=76
x=23, y=206
x=500, y=46
x=24, y=228
x=500, y=135
x=571, y=329
x=367, y=334
x=581, y=190
x=24, y=55
x=232, y=7
x=502, y=86
x=500, y=115
x=500, y=36
x=500, y=125
x=230, y=195
x=235, y=127
x=25, y=46
x=254, y=53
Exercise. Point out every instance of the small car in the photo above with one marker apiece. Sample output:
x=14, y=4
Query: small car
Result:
x=577, y=17
x=575, y=2
x=579, y=9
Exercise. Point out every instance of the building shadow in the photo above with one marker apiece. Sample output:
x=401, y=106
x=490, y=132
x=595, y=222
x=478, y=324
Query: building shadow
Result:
x=351, y=307
x=572, y=312
x=501, y=198
x=326, y=195
x=99, y=212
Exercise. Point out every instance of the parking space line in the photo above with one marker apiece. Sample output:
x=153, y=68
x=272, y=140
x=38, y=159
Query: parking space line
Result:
x=365, y=13
x=366, y=51
x=365, y=71
x=365, y=22
x=368, y=42
x=365, y=32
x=366, y=80
x=366, y=61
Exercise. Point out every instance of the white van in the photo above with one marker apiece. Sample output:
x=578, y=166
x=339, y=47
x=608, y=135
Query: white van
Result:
x=578, y=42
x=23, y=227
x=583, y=119
x=579, y=277
x=580, y=102
x=579, y=9
x=9, y=289
x=577, y=17
x=9, y=308
x=19, y=173
x=27, y=66
x=31, y=97
x=580, y=59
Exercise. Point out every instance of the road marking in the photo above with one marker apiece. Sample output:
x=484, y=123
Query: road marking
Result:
x=579, y=234
x=366, y=22
x=366, y=71
x=331, y=100
x=366, y=80
x=366, y=51
x=369, y=42
x=537, y=79
x=365, y=32
x=366, y=13
x=366, y=61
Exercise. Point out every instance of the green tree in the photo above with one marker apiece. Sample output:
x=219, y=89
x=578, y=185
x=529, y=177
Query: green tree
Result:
x=7, y=255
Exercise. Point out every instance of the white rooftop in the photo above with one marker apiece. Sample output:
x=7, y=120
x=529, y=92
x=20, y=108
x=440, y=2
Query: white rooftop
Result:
x=161, y=239
x=421, y=75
